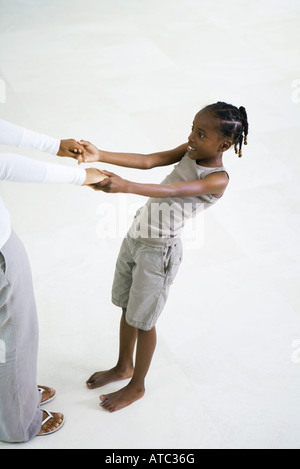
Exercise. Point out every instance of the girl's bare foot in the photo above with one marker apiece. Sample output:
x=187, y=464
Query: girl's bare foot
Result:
x=123, y=398
x=52, y=424
x=104, y=377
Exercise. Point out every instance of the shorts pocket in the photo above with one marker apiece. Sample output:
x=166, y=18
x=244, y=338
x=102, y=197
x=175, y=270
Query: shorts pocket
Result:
x=173, y=260
x=2, y=264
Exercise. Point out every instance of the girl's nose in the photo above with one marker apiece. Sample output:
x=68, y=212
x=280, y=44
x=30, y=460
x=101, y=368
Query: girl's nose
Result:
x=190, y=138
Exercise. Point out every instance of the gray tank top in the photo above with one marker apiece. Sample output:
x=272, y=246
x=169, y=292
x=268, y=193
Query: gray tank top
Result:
x=161, y=220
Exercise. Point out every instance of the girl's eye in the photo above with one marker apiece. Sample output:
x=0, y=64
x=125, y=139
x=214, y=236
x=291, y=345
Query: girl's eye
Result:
x=199, y=134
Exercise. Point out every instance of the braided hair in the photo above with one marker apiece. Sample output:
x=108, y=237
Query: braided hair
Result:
x=233, y=123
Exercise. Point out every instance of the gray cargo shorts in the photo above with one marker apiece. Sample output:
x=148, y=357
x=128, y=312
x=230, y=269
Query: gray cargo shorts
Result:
x=142, y=281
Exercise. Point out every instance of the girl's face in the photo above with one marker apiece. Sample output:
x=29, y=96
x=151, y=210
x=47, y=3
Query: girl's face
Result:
x=205, y=140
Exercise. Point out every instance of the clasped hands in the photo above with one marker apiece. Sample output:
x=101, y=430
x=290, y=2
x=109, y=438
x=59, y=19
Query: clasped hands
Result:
x=85, y=152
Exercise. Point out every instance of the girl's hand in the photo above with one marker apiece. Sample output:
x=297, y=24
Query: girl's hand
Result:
x=94, y=176
x=70, y=148
x=112, y=184
x=90, y=153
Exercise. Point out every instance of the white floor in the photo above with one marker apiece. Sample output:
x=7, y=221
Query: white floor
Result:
x=129, y=76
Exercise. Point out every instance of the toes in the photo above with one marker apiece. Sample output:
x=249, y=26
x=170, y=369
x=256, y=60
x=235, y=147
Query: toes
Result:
x=91, y=385
x=53, y=423
x=104, y=401
x=48, y=392
x=91, y=381
x=107, y=405
x=107, y=402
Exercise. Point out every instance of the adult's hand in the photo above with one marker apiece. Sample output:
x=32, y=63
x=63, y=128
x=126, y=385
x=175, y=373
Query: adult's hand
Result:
x=70, y=148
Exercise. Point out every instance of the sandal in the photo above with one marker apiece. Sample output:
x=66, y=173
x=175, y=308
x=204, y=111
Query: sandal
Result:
x=43, y=389
x=50, y=416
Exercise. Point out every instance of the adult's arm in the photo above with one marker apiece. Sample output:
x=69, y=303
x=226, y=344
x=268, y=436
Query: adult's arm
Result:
x=17, y=136
x=19, y=168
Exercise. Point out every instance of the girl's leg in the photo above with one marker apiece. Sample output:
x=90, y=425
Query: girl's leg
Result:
x=128, y=336
x=146, y=344
x=135, y=389
x=124, y=367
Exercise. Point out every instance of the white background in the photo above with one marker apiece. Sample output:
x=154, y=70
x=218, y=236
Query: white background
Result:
x=129, y=75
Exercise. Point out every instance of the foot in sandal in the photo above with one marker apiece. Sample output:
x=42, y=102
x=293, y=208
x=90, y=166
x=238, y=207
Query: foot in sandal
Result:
x=48, y=394
x=52, y=423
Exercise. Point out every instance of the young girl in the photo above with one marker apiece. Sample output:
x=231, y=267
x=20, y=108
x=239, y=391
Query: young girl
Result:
x=151, y=252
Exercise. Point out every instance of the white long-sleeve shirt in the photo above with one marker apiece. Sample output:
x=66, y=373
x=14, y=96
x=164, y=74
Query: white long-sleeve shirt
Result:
x=18, y=168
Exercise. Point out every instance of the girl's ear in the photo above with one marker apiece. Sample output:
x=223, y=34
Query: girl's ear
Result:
x=225, y=145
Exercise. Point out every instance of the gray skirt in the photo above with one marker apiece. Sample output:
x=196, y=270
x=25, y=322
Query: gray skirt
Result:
x=20, y=415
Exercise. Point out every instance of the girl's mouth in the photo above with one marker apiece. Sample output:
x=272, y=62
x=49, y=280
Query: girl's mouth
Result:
x=191, y=148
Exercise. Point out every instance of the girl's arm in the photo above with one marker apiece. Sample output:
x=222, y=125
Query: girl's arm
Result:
x=214, y=184
x=131, y=160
